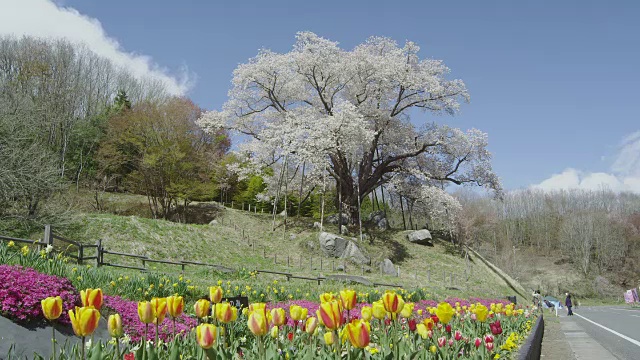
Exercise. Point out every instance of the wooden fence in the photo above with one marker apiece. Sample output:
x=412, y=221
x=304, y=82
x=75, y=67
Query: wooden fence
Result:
x=80, y=253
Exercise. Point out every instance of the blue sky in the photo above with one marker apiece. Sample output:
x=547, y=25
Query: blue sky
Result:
x=553, y=83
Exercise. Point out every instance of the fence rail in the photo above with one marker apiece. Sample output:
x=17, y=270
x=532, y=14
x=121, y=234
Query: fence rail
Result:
x=81, y=256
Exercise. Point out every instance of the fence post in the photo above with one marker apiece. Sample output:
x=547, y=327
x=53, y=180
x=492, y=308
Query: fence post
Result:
x=288, y=260
x=264, y=252
x=80, y=254
x=275, y=259
x=311, y=263
x=48, y=239
x=99, y=253
x=398, y=266
x=320, y=264
x=182, y=266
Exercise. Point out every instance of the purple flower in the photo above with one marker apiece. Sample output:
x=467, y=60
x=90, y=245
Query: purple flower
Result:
x=22, y=289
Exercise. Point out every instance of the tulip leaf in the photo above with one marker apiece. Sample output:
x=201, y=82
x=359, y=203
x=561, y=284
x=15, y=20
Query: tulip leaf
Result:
x=151, y=353
x=175, y=351
x=96, y=351
x=140, y=353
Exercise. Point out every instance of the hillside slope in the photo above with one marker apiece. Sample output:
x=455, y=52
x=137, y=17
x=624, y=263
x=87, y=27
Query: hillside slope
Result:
x=246, y=240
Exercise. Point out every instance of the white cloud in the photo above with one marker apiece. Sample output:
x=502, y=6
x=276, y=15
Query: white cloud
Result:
x=45, y=18
x=624, y=176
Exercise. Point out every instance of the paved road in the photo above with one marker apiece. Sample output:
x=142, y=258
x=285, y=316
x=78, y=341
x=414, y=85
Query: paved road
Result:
x=611, y=332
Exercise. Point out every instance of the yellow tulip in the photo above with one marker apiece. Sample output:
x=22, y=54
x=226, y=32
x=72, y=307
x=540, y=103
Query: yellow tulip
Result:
x=330, y=314
x=92, y=297
x=366, y=313
x=378, y=310
x=358, y=333
x=444, y=312
x=84, y=320
x=215, y=294
x=226, y=312
x=481, y=312
x=274, y=332
x=175, y=306
x=421, y=329
x=407, y=310
x=348, y=298
x=433, y=349
x=393, y=302
x=206, y=335
x=298, y=313
x=52, y=307
x=329, y=338
x=114, y=325
x=257, y=322
x=326, y=297
x=256, y=306
x=278, y=316
x=160, y=309
x=202, y=308
x=311, y=325
x=146, y=312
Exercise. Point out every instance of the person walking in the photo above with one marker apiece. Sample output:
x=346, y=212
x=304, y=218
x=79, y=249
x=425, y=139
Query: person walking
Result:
x=569, y=304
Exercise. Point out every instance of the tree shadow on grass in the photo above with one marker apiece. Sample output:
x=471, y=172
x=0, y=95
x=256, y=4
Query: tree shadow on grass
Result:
x=384, y=239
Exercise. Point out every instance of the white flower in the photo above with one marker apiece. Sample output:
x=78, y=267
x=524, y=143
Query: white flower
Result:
x=49, y=249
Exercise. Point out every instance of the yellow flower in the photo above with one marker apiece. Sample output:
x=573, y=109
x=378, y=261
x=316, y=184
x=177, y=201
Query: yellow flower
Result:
x=11, y=244
x=257, y=322
x=146, y=312
x=201, y=308
x=481, y=312
x=444, y=312
x=298, y=313
x=84, y=320
x=215, y=294
x=329, y=338
x=358, y=333
x=393, y=302
x=366, y=313
x=226, y=312
x=52, y=307
x=330, y=314
x=378, y=310
x=274, y=332
x=433, y=349
x=175, y=306
x=206, y=335
x=421, y=329
x=25, y=250
x=326, y=297
x=91, y=297
x=114, y=325
x=311, y=325
x=348, y=298
x=407, y=310
x=160, y=309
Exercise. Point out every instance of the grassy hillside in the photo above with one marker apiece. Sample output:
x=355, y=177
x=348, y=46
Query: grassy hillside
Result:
x=246, y=240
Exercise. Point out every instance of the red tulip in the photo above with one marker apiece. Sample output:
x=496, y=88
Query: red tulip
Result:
x=477, y=342
x=435, y=318
x=457, y=335
x=412, y=325
x=488, y=339
x=442, y=341
x=489, y=346
x=447, y=328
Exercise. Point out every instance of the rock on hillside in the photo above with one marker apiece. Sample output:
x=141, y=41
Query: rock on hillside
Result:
x=339, y=247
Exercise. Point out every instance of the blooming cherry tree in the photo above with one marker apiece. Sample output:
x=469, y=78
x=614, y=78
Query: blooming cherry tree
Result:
x=352, y=114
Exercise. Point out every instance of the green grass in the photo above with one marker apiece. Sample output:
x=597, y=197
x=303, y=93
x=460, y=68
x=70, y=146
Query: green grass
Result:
x=421, y=267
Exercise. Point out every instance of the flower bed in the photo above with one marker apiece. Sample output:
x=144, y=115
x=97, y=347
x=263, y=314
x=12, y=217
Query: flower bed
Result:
x=132, y=326
x=22, y=289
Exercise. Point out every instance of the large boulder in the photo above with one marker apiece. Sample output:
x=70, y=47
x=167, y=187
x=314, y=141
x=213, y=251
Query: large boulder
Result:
x=333, y=219
x=379, y=220
x=352, y=252
x=332, y=245
x=338, y=247
x=387, y=267
x=350, y=279
x=422, y=237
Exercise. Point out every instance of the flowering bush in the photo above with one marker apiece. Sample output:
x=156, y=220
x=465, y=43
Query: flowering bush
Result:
x=22, y=289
